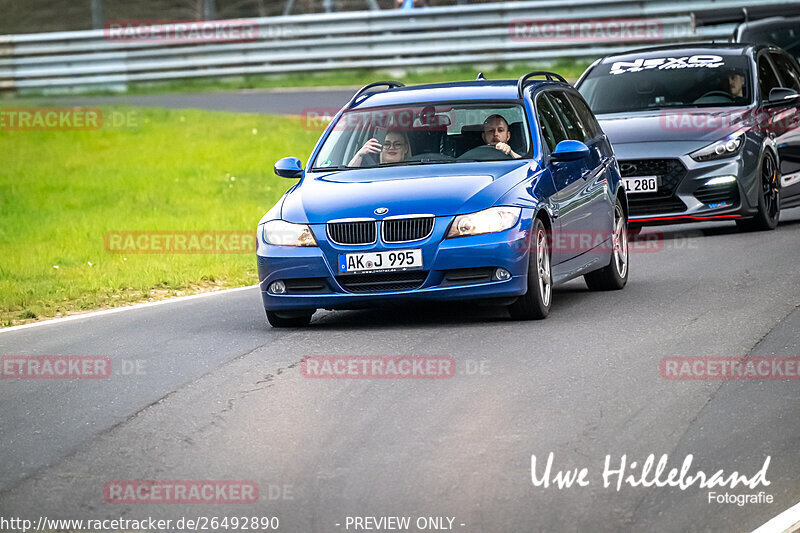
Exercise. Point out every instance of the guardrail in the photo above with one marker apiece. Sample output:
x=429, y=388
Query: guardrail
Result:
x=476, y=34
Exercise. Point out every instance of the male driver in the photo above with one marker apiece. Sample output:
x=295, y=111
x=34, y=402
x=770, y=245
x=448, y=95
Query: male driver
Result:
x=497, y=135
x=735, y=83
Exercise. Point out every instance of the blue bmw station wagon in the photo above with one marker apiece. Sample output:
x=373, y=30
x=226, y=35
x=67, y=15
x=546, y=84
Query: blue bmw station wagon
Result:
x=482, y=190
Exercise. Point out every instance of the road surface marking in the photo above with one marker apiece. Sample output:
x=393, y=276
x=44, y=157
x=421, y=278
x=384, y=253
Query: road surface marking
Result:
x=786, y=521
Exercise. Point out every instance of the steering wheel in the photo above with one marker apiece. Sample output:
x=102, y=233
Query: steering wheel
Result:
x=717, y=93
x=484, y=153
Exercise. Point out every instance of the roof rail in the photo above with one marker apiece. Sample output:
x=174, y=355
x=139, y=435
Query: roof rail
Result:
x=361, y=91
x=550, y=76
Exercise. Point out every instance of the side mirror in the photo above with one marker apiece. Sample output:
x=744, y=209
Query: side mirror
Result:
x=781, y=94
x=570, y=151
x=289, y=167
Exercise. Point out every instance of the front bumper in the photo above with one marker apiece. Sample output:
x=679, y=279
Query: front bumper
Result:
x=683, y=195
x=441, y=258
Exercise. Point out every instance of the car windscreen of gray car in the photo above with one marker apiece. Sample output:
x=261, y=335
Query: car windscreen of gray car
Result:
x=674, y=80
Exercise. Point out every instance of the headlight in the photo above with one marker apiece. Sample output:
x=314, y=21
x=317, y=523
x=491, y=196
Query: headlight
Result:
x=727, y=147
x=489, y=220
x=282, y=233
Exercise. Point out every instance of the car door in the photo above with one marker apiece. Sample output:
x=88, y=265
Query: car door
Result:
x=570, y=209
x=603, y=154
x=772, y=114
x=785, y=125
x=596, y=216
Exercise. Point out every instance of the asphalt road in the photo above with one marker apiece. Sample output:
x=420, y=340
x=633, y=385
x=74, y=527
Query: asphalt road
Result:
x=220, y=396
x=276, y=101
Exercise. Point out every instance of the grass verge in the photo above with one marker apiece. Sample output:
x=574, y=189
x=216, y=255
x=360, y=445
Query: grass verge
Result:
x=61, y=191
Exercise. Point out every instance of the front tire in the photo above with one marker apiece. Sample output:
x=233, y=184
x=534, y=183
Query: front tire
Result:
x=296, y=321
x=614, y=276
x=535, y=303
x=769, y=199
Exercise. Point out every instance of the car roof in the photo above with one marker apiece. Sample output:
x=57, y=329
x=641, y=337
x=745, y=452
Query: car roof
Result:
x=699, y=48
x=448, y=92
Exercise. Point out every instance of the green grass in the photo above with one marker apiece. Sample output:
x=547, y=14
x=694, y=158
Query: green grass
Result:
x=61, y=191
x=569, y=68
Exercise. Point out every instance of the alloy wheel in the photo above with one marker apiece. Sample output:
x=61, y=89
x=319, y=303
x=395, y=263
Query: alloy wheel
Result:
x=543, y=266
x=620, y=242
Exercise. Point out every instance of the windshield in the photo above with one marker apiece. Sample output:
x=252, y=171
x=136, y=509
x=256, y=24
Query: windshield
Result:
x=426, y=134
x=662, y=82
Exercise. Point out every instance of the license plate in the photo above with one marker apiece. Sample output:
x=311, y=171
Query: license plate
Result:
x=381, y=261
x=641, y=184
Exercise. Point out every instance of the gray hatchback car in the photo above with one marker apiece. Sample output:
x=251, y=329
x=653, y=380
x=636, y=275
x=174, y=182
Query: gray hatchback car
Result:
x=702, y=131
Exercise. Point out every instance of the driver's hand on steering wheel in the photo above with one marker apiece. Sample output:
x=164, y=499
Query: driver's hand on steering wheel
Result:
x=506, y=149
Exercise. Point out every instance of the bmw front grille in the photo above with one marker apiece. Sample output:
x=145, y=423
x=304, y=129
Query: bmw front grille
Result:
x=352, y=232
x=406, y=229
x=393, y=230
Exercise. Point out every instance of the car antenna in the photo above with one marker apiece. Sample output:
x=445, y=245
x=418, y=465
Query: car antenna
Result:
x=480, y=77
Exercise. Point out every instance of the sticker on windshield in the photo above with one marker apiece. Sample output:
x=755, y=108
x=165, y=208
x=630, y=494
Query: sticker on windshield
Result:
x=665, y=63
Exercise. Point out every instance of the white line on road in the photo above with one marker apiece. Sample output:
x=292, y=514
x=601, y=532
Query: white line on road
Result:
x=783, y=522
x=61, y=320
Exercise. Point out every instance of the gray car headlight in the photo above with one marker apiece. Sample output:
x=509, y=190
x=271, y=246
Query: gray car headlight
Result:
x=489, y=220
x=727, y=147
x=282, y=233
